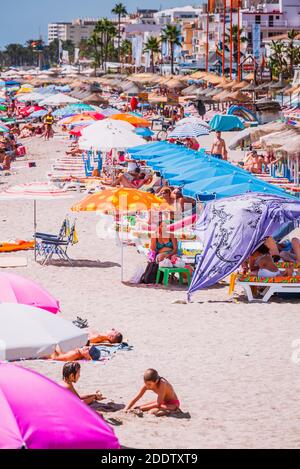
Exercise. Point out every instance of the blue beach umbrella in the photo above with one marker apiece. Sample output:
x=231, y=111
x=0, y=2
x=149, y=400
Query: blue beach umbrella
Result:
x=36, y=114
x=144, y=132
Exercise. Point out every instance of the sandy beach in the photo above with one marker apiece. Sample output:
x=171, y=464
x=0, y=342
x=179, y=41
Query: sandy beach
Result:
x=229, y=361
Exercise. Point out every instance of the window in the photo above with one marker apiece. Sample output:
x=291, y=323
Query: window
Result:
x=277, y=17
x=257, y=19
x=271, y=21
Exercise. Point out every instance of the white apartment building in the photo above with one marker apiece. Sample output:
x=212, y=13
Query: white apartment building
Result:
x=58, y=31
x=73, y=31
x=177, y=15
x=274, y=19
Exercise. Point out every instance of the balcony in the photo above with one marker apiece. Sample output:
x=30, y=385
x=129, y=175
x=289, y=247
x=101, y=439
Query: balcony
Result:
x=265, y=24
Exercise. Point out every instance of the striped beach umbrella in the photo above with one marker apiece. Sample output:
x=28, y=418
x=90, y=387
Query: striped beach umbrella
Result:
x=189, y=131
x=34, y=191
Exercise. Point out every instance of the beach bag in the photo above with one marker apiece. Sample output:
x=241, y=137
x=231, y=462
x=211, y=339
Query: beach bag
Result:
x=149, y=276
x=166, y=263
x=137, y=275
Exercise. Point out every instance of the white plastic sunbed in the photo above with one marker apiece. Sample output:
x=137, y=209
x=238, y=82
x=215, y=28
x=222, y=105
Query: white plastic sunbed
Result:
x=270, y=285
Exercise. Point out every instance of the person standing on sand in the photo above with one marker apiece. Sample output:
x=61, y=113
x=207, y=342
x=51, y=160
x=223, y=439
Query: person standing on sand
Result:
x=218, y=149
x=48, y=122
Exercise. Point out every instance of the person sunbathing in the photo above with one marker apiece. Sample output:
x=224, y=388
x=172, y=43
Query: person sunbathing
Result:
x=82, y=353
x=74, y=151
x=112, y=336
x=167, y=400
x=262, y=264
x=131, y=179
x=289, y=250
x=71, y=374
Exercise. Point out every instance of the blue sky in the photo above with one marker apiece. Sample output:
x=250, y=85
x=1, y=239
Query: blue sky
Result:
x=25, y=19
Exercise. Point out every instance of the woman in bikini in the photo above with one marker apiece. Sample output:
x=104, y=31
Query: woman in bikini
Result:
x=164, y=244
x=167, y=400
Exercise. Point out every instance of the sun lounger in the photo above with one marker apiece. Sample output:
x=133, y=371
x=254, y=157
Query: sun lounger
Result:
x=271, y=285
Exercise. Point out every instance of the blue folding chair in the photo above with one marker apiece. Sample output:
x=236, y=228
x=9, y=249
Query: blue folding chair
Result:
x=47, y=248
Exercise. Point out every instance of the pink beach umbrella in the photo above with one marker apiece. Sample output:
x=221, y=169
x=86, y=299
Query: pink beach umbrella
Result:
x=17, y=289
x=42, y=415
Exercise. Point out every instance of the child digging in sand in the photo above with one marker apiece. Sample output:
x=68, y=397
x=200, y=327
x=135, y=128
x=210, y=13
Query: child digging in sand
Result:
x=167, y=400
x=71, y=374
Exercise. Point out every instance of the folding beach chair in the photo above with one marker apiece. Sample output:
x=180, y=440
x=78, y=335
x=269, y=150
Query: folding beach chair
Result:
x=48, y=248
x=63, y=232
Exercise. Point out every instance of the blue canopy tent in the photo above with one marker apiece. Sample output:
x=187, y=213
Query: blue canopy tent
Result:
x=170, y=163
x=157, y=153
x=244, y=187
x=203, y=176
x=204, y=170
x=150, y=146
x=237, y=184
x=225, y=123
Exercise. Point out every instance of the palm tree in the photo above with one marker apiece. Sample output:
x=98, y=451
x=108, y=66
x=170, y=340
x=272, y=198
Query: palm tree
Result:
x=153, y=46
x=277, y=61
x=106, y=31
x=235, y=40
x=291, y=51
x=94, y=42
x=172, y=36
x=126, y=50
x=120, y=11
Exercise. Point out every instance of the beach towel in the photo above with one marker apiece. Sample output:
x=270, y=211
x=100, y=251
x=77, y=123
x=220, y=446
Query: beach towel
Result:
x=17, y=245
x=107, y=351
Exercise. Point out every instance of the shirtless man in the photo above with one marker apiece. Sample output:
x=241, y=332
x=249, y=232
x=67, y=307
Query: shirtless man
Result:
x=218, y=149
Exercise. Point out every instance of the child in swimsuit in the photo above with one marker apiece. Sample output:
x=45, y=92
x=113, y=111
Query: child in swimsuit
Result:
x=167, y=400
x=71, y=374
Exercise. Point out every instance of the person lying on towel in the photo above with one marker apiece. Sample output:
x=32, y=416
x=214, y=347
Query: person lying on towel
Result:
x=88, y=352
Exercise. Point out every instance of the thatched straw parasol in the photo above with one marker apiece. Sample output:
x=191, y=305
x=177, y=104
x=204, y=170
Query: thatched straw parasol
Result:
x=238, y=97
x=95, y=99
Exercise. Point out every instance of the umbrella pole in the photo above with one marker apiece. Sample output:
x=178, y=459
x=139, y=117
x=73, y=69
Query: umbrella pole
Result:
x=34, y=227
x=122, y=259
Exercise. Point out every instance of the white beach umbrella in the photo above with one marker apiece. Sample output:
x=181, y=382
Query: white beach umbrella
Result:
x=109, y=139
x=34, y=96
x=98, y=127
x=27, y=332
x=58, y=99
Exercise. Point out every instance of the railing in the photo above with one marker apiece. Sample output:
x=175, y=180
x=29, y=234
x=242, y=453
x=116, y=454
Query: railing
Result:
x=266, y=24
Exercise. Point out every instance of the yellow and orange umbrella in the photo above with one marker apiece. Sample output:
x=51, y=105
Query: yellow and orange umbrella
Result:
x=121, y=200
x=77, y=118
x=134, y=120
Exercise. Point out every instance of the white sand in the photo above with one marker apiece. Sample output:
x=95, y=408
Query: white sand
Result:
x=230, y=363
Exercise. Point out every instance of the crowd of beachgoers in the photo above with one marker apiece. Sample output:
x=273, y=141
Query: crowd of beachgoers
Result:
x=54, y=146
